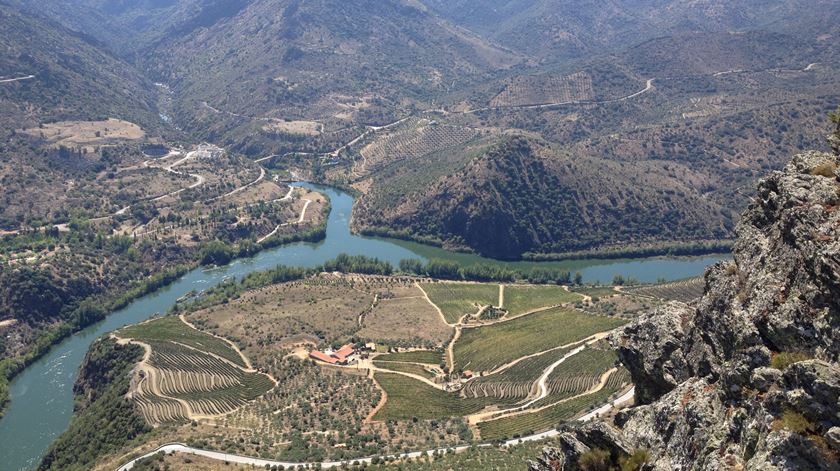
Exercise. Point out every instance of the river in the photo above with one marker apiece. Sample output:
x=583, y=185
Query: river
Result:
x=42, y=395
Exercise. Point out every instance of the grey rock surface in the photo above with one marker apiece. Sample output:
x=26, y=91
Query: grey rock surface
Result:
x=748, y=377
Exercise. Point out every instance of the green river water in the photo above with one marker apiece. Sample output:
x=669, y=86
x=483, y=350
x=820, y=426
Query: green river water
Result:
x=42, y=395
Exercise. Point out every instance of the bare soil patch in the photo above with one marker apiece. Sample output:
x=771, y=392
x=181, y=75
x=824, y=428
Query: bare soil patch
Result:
x=302, y=128
x=87, y=133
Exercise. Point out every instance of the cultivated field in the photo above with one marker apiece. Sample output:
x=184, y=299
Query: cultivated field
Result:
x=411, y=139
x=516, y=381
x=684, y=290
x=488, y=347
x=187, y=374
x=578, y=374
x=519, y=299
x=554, y=415
x=417, y=356
x=542, y=89
x=405, y=367
x=456, y=300
x=409, y=398
x=532, y=369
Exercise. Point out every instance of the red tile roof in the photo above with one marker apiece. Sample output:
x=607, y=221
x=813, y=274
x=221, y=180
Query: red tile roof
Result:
x=321, y=356
x=344, y=352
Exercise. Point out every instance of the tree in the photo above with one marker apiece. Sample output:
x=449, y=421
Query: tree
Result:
x=216, y=253
x=834, y=139
x=411, y=265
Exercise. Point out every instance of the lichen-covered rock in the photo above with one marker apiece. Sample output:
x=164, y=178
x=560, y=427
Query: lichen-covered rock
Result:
x=748, y=377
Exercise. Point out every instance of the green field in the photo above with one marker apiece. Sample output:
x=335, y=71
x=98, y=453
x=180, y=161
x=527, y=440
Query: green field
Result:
x=548, y=418
x=429, y=357
x=172, y=329
x=485, y=348
x=411, y=368
x=521, y=299
x=595, y=291
x=409, y=398
x=457, y=299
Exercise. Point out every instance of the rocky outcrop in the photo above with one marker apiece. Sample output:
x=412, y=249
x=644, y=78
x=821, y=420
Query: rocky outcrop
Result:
x=748, y=377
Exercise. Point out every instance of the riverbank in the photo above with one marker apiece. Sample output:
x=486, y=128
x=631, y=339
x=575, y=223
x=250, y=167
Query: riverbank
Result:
x=95, y=308
x=42, y=394
x=90, y=311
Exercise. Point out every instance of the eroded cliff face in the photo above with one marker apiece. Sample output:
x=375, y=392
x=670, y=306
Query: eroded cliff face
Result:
x=748, y=378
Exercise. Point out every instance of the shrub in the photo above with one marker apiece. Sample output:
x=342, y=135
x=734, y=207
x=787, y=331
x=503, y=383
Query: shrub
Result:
x=796, y=422
x=636, y=461
x=825, y=169
x=782, y=360
x=596, y=459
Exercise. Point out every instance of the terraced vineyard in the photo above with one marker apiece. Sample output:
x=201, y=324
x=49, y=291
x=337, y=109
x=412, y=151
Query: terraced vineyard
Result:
x=540, y=364
x=551, y=416
x=173, y=330
x=458, y=299
x=520, y=299
x=409, y=398
x=684, y=290
x=188, y=374
x=578, y=374
x=542, y=89
x=516, y=381
x=412, y=139
x=488, y=347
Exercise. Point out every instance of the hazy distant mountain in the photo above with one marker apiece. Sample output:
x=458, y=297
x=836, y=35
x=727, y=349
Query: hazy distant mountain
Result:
x=559, y=28
x=132, y=26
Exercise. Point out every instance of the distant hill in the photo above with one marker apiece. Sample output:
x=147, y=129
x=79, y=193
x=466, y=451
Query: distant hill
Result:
x=338, y=62
x=552, y=29
x=49, y=73
x=525, y=196
x=129, y=27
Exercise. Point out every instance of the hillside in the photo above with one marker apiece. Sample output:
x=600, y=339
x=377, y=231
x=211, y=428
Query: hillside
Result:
x=522, y=196
x=49, y=73
x=131, y=27
x=748, y=378
x=334, y=62
x=555, y=29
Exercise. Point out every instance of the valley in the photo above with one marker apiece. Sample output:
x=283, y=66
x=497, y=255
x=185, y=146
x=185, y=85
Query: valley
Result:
x=405, y=233
x=66, y=356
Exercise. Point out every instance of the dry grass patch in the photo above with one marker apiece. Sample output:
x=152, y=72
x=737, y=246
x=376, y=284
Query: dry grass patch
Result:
x=87, y=133
x=301, y=128
x=405, y=317
x=263, y=321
